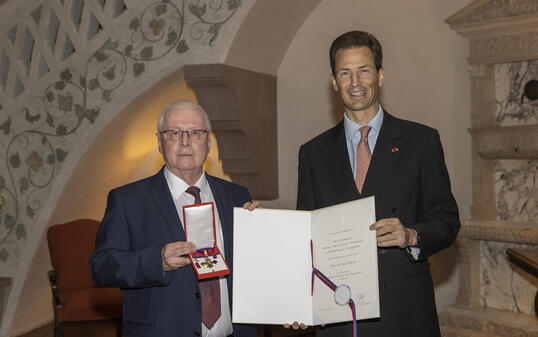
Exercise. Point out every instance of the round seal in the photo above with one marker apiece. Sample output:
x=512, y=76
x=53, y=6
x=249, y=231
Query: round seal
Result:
x=342, y=294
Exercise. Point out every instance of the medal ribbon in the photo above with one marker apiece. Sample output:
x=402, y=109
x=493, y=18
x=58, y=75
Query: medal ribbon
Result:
x=332, y=286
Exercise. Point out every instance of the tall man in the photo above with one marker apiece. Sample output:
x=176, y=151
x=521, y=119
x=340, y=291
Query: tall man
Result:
x=140, y=246
x=401, y=163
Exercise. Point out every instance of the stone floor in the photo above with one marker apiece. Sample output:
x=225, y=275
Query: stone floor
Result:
x=108, y=329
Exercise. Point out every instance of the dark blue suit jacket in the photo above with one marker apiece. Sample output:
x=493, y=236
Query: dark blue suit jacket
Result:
x=408, y=177
x=139, y=220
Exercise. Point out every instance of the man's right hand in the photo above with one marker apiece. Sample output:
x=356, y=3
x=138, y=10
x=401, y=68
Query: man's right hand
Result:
x=296, y=325
x=172, y=254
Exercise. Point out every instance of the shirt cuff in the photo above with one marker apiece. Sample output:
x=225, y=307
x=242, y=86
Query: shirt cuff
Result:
x=414, y=251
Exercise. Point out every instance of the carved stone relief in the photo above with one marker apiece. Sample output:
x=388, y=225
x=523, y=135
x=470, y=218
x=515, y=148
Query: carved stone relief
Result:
x=497, y=9
x=503, y=38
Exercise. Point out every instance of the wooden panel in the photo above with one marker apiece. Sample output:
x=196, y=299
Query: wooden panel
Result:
x=526, y=259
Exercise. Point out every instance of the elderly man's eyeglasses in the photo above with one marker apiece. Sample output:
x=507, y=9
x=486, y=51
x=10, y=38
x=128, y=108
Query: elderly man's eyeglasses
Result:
x=175, y=134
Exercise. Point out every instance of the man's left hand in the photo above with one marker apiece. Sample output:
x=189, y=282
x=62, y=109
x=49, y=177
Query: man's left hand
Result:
x=390, y=232
x=251, y=205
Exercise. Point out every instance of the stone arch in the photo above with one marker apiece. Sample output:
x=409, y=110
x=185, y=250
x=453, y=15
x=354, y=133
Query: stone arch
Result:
x=103, y=47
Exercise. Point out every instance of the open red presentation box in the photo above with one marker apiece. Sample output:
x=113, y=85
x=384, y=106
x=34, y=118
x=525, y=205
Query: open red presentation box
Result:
x=207, y=261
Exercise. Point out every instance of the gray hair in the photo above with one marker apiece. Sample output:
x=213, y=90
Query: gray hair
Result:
x=183, y=104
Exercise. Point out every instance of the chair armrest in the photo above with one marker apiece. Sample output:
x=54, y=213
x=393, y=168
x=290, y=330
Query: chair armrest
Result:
x=53, y=277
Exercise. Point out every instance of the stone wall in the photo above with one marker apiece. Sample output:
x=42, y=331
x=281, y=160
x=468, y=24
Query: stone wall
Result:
x=495, y=294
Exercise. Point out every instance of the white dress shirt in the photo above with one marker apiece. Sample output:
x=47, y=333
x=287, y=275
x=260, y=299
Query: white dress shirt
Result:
x=223, y=327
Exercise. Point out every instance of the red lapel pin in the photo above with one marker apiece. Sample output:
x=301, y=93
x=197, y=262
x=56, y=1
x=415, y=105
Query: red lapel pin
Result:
x=395, y=149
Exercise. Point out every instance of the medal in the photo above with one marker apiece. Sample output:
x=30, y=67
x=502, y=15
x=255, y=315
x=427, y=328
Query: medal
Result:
x=342, y=293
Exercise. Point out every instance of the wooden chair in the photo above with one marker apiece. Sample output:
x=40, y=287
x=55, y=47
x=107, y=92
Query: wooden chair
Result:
x=76, y=297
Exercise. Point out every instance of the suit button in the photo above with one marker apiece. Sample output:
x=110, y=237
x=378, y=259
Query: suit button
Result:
x=382, y=251
x=197, y=333
x=385, y=287
x=394, y=210
x=197, y=295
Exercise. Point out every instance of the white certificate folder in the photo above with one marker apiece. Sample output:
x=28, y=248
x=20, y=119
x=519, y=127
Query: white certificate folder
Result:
x=274, y=255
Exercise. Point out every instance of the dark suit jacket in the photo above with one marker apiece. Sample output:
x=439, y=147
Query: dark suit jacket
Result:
x=408, y=177
x=139, y=220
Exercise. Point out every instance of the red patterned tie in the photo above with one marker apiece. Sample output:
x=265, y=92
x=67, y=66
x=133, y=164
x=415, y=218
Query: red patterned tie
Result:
x=363, y=158
x=209, y=288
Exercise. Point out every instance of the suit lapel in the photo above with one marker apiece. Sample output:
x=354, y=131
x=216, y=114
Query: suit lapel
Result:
x=161, y=193
x=388, y=149
x=337, y=159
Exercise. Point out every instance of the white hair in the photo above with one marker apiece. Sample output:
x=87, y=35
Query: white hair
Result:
x=183, y=104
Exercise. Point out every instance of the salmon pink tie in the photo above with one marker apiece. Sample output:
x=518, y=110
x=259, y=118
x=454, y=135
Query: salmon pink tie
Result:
x=209, y=288
x=363, y=158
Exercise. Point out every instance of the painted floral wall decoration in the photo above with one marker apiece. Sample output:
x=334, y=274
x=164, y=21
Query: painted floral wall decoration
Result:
x=36, y=150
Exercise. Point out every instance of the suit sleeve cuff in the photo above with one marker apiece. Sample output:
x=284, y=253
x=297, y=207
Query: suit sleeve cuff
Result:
x=414, y=252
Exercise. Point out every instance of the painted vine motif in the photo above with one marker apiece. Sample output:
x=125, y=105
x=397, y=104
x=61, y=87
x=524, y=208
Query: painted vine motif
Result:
x=34, y=155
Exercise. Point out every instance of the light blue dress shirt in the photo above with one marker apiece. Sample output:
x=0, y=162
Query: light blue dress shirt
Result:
x=353, y=137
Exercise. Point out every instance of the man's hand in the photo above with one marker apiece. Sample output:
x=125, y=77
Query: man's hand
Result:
x=251, y=205
x=390, y=232
x=296, y=325
x=172, y=254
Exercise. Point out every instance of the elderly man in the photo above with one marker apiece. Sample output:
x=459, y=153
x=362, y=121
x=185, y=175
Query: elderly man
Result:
x=141, y=247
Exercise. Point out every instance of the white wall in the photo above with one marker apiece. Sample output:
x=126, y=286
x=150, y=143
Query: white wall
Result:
x=425, y=80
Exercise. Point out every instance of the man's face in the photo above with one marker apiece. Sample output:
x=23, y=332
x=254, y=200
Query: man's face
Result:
x=184, y=157
x=357, y=80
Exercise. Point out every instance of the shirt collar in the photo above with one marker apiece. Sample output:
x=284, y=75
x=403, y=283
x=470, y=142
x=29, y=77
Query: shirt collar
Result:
x=352, y=128
x=178, y=186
